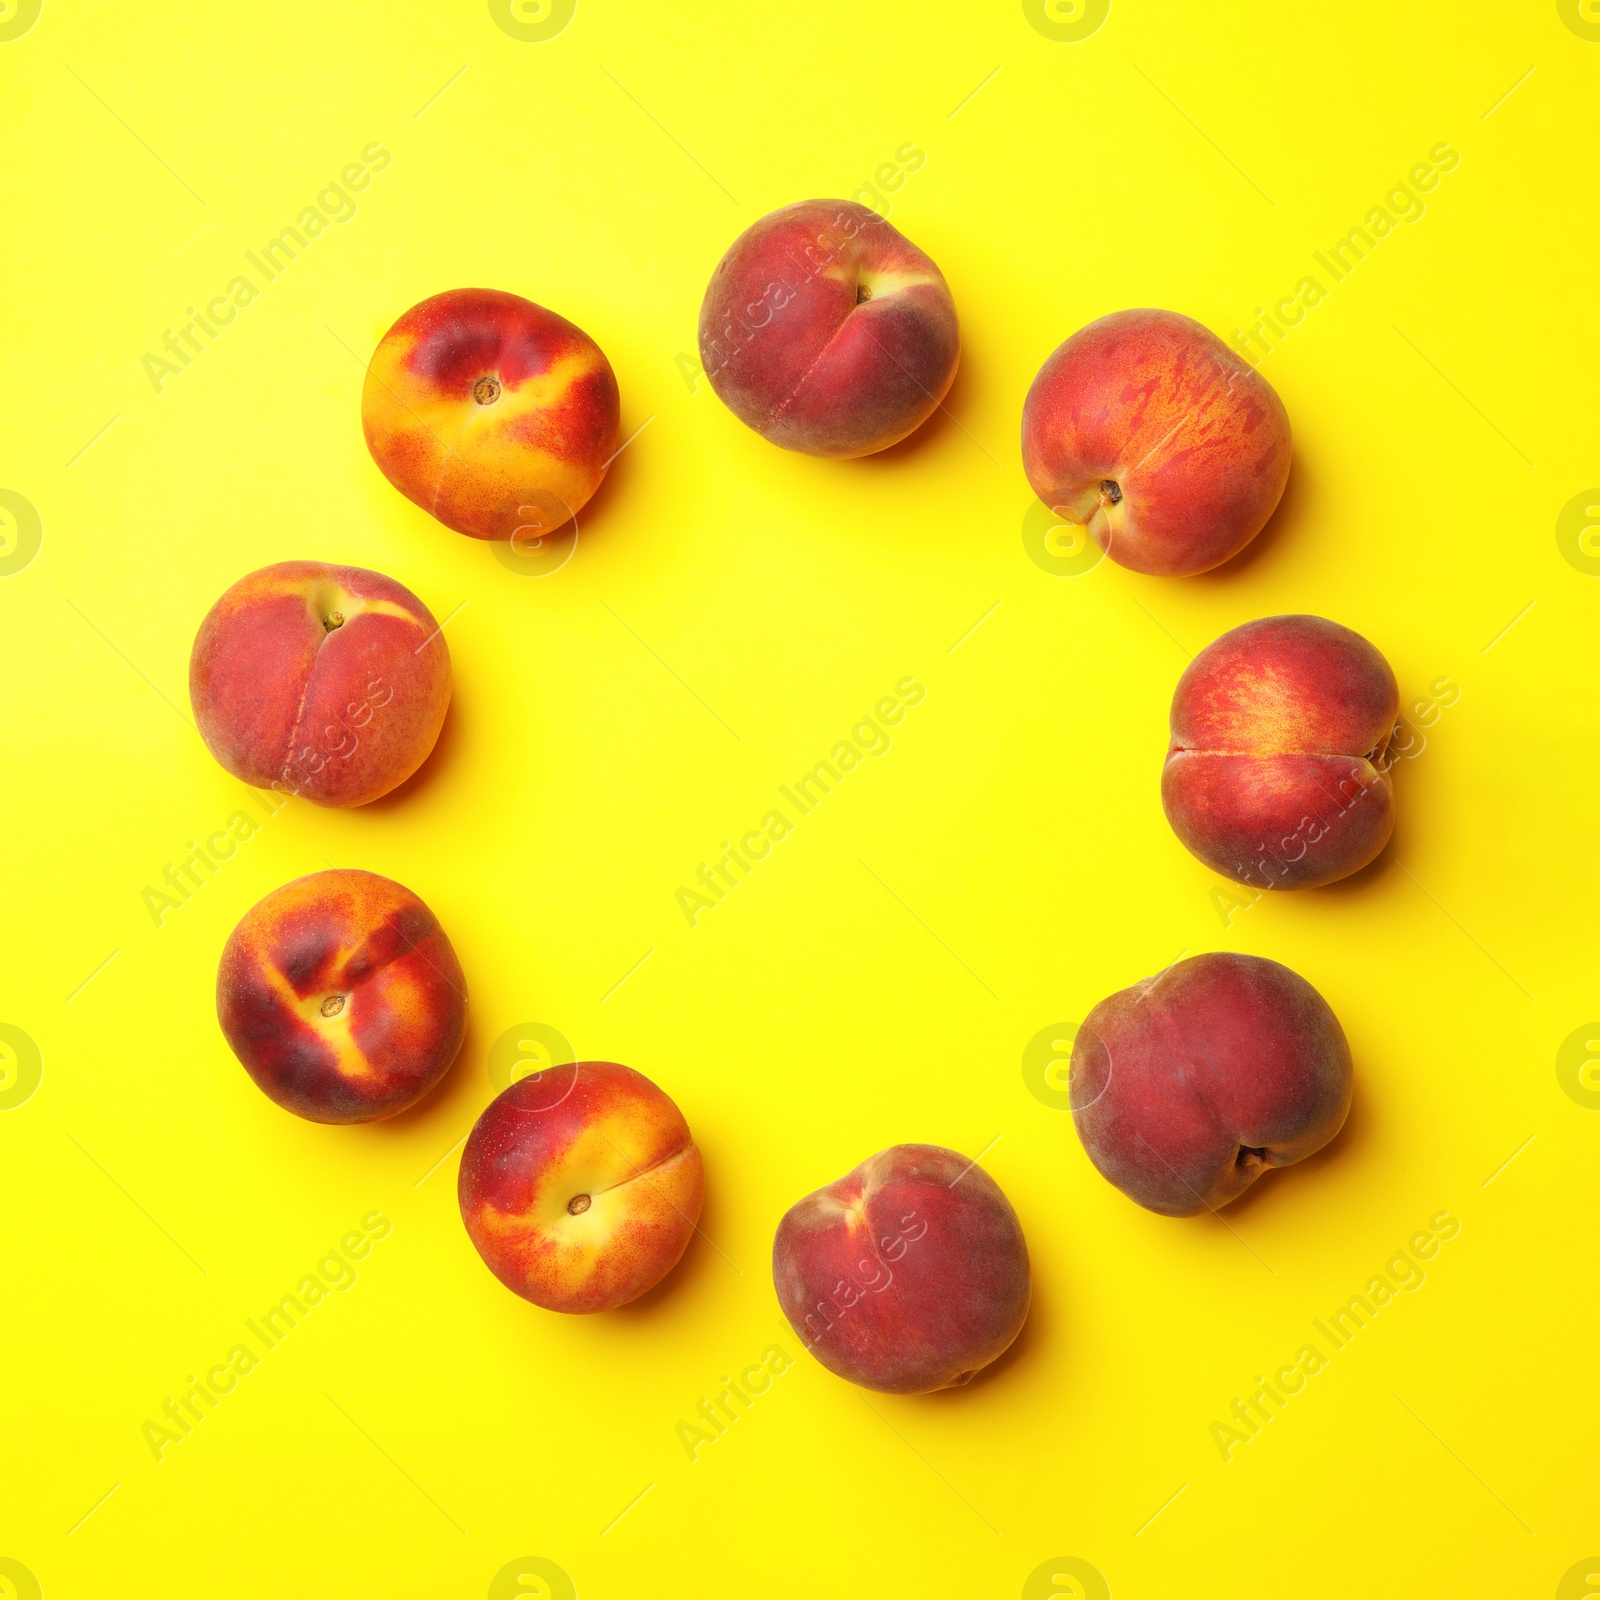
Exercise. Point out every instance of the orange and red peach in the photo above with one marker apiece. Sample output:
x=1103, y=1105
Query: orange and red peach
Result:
x=1276, y=773
x=1168, y=446
x=342, y=997
x=581, y=1186
x=491, y=413
x=908, y=1274
x=1188, y=1086
x=828, y=331
x=323, y=681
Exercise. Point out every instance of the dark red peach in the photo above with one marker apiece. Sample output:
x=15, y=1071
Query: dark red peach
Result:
x=1188, y=1086
x=906, y=1275
x=827, y=331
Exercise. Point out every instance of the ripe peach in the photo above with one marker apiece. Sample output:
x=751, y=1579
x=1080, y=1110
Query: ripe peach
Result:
x=1188, y=1086
x=342, y=997
x=491, y=413
x=908, y=1274
x=1276, y=775
x=327, y=682
x=828, y=331
x=580, y=1186
x=1171, y=448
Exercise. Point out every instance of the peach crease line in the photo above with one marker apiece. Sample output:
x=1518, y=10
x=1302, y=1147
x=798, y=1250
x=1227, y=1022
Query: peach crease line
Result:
x=642, y=1175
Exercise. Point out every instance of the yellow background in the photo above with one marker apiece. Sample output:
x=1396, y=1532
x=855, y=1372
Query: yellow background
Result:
x=729, y=613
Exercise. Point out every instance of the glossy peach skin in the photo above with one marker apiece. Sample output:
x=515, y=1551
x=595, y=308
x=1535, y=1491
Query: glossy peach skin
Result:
x=828, y=331
x=491, y=413
x=1188, y=1086
x=1146, y=428
x=581, y=1186
x=323, y=681
x=342, y=997
x=906, y=1275
x=1276, y=773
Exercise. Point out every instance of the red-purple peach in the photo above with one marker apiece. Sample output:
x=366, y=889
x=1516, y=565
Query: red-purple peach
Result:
x=1188, y=1086
x=1168, y=446
x=1276, y=773
x=342, y=997
x=323, y=681
x=491, y=413
x=827, y=331
x=581, y=1186
x=908, y=1274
